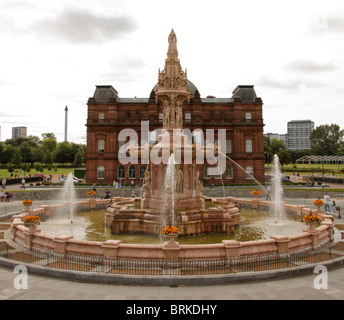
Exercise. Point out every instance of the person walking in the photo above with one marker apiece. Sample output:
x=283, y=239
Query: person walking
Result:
x=23, y=183
x=334, y=206
x=327, y=201
x=268, y=193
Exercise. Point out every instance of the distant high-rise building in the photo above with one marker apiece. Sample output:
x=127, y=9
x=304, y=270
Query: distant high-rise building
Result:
x=282, y=137
x=298, y=134
x=19, y=132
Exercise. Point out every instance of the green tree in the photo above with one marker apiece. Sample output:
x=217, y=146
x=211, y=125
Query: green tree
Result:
x=63, y=153
x=277, y=145
x=284, y=157
x=38, y=154
x=48, y=158
x=17, y=158
x=26, y=167
x=326, y=140
x=10, y=167
x=7, y=154
x=79, y=159
x=26, y=152
x=49, y=144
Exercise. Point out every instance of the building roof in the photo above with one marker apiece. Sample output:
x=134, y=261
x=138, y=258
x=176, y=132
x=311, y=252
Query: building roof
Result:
x=104, y=93
x=245, y=92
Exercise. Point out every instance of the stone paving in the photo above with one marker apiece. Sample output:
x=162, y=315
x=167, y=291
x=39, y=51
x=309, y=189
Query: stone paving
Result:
x=298, y=288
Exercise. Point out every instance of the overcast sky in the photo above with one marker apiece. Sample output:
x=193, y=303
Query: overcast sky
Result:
x=54, y=53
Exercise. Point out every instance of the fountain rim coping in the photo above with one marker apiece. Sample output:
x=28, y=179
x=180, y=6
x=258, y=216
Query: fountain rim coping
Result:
x=17, y=221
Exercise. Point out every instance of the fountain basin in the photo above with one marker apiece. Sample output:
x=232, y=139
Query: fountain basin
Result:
x=66, y=244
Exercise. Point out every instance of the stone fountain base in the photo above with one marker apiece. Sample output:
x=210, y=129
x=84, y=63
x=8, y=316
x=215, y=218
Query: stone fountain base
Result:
x=221, y=217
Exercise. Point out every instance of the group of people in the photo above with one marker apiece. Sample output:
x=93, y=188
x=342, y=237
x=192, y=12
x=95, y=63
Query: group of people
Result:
x=327, y=201
x=117, y=185
x=5, y=196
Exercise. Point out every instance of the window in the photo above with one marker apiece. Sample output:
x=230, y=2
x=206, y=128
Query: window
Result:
x=206, y=174
x=249, y=172
x=248, y=145
x=161, y=116
x=228, y=146
x=248, y=116
x=101, y=145
x=229, y=172
x=100, y=172
x=218, y=174
x=120, y=172
x=187, y=117
x=101, y=115
x=142, y=172
x=131, y=172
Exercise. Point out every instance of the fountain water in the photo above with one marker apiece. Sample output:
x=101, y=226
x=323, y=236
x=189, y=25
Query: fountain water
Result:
x=277, y=191
x=170, y=189
x=68, y=194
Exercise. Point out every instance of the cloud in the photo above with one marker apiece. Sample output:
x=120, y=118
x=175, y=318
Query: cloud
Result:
x=80, y=26
x=310, y=66
x=285, y=83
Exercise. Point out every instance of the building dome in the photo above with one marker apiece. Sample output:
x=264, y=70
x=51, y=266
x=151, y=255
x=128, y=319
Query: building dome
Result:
x=192, y=88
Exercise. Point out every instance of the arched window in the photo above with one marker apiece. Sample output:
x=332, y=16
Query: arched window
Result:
x=131, y=172
x=142, y=172
x=120, y=172
x=100, y=172
x=249, y=172
x=229, y=172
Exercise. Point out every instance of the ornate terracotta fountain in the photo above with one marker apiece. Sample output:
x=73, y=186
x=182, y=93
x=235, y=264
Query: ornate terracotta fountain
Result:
x=172, y=191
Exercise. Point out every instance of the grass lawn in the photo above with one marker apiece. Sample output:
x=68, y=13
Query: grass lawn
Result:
x=60, y=171
x=309, y=168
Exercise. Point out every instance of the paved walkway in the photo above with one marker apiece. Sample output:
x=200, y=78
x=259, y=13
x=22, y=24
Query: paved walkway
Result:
x=44, y=288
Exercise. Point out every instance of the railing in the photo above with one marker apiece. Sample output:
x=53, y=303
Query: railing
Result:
x=183, y=267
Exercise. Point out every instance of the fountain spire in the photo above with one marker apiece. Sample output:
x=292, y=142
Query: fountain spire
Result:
x=172, y=45
x=172, y=89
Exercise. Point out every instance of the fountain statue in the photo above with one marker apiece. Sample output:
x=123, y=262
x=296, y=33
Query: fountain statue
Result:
x=172, y=191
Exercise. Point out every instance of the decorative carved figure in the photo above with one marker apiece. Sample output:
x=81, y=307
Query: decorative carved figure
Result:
x=179, y=179
x=179, y=115
x=166, y=114
x=147, y=184
x=198, y=185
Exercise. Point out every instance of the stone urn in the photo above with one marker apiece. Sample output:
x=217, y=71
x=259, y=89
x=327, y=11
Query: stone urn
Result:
x=31, y=225
x=318, y=203
x=312, y=225
x=171, y=237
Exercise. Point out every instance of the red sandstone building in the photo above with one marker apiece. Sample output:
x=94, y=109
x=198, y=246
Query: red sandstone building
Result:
x=240, y=115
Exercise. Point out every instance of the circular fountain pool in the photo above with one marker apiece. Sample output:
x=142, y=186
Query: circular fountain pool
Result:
x=255, y=225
